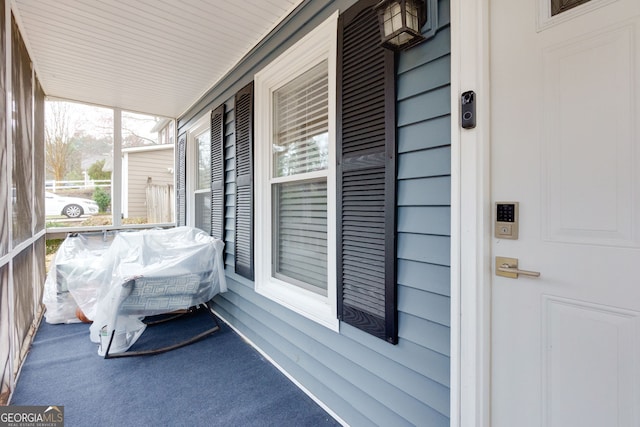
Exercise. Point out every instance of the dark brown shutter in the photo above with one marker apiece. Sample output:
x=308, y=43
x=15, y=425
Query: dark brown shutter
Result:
x=366, y=175
x=244, y=182
x=217, y=172
x=181, y=181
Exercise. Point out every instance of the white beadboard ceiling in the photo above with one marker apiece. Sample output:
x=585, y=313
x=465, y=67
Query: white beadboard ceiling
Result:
x=150, y=56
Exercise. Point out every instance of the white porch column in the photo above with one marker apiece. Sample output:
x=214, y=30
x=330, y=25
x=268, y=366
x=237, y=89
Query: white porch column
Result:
x=116, y=174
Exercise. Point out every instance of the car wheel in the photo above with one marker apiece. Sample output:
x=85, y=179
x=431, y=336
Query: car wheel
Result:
x=72, y=211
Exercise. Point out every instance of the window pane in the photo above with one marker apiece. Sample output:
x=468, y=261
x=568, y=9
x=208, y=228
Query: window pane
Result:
x=203, y=211
x=300, y=123
x=147, y=169
x=300, y=234
x=203, y=143
x=202, y=196
x=79, y=163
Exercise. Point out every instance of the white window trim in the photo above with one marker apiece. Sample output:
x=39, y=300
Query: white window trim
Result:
x=125, y=184
x=317, y=46
x=201, y=126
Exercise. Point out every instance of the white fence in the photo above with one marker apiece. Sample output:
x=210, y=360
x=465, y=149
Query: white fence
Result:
x=52, y=185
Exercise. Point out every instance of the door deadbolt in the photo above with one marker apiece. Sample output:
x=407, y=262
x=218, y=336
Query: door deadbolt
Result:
x=506, y=224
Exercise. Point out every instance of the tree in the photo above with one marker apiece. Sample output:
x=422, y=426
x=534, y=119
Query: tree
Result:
x=58, y=134
x=95, y=171
x=136, y=130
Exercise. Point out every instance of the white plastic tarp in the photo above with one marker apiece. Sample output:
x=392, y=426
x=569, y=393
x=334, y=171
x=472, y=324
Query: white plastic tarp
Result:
x=137, y=274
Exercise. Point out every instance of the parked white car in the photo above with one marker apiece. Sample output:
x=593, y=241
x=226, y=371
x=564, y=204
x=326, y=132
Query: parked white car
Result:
x=71, y=207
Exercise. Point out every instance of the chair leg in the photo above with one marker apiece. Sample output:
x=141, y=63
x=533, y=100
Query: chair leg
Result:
x=191, y=340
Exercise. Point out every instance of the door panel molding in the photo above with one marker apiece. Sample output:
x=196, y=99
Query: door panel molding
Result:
x=605, y=337
x=589, y=168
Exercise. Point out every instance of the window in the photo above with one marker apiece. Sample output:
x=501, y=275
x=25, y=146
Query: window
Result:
x=199, y=155
x=295, y=177
x=300, y=151
x=147, y=169
x=559, y=6
x=97, y=175
x=79, y=147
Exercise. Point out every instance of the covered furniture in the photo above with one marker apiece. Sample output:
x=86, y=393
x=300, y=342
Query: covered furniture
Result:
x=137, y=275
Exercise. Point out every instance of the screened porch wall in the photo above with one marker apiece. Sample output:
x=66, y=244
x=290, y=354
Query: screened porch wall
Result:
x=362, y=379
x=22, y=233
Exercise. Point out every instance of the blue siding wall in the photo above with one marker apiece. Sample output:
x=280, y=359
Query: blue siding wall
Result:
x=364, y=380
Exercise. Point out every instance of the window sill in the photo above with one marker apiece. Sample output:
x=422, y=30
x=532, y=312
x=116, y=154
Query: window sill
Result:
x=314, y=307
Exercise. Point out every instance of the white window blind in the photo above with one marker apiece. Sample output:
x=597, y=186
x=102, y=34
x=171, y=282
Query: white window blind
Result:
x=301, y=139
x=202, y=193
x=301, y=146
x=301, y=234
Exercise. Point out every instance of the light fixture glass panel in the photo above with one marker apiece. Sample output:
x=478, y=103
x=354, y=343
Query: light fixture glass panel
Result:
x=412, y=16
x=396, y=12
x=392, y=18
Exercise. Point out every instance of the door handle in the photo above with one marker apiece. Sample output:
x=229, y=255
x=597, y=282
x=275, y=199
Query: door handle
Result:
x=508, y=267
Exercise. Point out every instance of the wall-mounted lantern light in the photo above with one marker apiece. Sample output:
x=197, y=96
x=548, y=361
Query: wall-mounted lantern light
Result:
x=400, y=22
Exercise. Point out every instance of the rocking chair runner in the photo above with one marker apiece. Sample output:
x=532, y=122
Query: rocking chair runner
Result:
x=206, y=307
x=142, y=295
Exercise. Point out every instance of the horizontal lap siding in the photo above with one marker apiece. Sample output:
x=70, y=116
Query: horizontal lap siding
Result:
x=424, y=195
x=144, y=165
x=380, y=390
x=365, y=380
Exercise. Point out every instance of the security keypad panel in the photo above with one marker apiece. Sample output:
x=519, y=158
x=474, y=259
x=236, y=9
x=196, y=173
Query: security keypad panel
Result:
x=506, y=226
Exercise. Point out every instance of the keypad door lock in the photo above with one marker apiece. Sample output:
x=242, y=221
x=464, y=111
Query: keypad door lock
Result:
x=506, y=225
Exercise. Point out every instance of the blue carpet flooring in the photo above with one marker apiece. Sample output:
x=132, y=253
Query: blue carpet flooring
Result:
x=218, y=381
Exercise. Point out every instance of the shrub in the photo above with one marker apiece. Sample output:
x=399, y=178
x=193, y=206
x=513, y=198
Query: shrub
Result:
x=53, y=245
x=102, y=198
x=95, y=171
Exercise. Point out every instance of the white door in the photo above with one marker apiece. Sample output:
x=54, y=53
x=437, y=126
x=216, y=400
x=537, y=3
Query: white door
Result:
x=565, y=137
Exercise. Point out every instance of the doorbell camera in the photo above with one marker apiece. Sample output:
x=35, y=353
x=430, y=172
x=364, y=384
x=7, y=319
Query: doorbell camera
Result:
x=468, y=109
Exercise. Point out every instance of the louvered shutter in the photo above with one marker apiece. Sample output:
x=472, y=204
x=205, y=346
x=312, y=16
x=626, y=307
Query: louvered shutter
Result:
x=366, y=176
x=244, y=182
x=217, y=172
x=181, y=181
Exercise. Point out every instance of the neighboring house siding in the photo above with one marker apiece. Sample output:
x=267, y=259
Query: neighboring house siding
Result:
x=143, y=165
x=365, y=380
